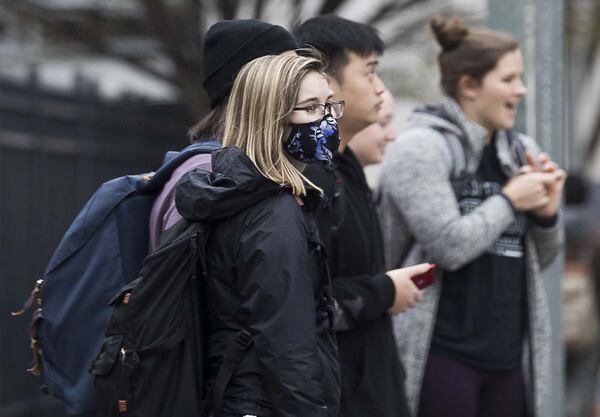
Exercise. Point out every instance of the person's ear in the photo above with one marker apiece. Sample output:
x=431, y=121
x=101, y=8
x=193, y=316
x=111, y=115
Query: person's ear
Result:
x=468, y=87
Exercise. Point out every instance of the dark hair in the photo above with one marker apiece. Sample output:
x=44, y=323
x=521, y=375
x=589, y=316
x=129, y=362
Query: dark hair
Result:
x=210, y=127
x=231, y=44
x=228, y=46
x=467, y=50
x=335, y=36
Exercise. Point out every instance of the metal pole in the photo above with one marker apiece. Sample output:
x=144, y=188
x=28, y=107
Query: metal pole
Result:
x=551, y=124
x=539, y=26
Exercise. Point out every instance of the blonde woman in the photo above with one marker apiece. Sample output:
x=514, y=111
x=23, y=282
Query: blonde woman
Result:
x=266, y=272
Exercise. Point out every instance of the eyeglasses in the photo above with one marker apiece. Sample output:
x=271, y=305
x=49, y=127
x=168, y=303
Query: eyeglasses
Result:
x=315, y=111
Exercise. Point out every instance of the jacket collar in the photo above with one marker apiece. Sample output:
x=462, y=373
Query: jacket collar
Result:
x=348, y=164
x=474, y=138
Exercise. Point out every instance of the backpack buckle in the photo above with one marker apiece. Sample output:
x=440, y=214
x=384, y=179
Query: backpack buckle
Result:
x=147, y=177
x=243, y=340
x=130, y=360
x=34, y=298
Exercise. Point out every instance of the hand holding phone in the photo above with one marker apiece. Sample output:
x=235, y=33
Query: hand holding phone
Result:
x=425, y=279
x=407, y=295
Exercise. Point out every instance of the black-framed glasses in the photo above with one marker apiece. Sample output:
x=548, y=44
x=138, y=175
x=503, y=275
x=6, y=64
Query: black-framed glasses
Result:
x=315, y=110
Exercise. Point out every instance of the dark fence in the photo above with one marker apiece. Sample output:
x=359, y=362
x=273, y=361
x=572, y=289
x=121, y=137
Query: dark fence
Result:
x=55, y=149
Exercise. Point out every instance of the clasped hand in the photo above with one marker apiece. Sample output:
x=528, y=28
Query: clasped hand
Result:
x=537, y=188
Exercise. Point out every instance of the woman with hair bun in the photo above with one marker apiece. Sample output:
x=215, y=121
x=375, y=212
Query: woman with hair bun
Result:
x=461, y=189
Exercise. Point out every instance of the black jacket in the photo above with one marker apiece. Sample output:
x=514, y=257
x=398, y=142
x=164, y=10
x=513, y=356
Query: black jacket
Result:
x=372, y=375
x=266, y=275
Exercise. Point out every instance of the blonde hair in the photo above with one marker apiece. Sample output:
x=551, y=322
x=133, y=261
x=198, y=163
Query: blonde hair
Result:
x=260, y=105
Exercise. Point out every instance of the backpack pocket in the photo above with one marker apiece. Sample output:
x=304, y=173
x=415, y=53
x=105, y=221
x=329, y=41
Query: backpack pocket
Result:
x=124, y=382
x=108, y=356
x=119, y=322
x=109, y=378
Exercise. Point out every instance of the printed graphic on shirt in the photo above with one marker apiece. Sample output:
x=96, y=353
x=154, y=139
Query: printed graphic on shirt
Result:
x=510, y=243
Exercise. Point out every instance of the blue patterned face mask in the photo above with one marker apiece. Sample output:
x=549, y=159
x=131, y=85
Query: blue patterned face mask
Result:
x=314, y=141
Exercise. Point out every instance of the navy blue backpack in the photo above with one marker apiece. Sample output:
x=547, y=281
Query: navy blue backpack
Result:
x=102, y=251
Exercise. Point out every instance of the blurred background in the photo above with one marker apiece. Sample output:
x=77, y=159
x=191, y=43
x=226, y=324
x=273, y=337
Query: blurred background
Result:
x=94, y=89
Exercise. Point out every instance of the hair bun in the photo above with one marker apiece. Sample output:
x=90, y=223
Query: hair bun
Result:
x=449, y=32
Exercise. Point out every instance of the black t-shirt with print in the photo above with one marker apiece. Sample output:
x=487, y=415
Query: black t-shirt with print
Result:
x=482, y=310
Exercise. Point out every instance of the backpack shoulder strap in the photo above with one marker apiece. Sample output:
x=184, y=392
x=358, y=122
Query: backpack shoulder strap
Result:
x=517, y=146
x=173, y=160
x=231, y=359
x=457, y=153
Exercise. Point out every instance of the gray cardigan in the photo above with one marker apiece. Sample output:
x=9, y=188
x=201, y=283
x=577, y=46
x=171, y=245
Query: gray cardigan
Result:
x=421, y=221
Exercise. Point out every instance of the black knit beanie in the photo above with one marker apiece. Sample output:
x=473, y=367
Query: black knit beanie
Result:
x=230, y=44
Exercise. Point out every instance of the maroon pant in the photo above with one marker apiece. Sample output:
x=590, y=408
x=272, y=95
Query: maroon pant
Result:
x=454, y=389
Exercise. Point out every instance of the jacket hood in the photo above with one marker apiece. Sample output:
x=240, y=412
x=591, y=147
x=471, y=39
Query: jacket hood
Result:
x=448, y=116
x=437, y=116
x=234, y=184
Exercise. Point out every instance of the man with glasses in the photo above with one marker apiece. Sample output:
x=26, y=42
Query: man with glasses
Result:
x=372, y=375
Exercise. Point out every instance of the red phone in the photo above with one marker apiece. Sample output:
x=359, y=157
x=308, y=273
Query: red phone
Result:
x=425, y=279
